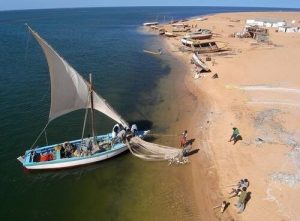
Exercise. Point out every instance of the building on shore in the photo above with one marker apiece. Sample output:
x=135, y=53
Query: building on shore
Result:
x=268, y=23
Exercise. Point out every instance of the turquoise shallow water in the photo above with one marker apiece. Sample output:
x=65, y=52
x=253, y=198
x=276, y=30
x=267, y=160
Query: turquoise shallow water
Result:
x=107, y=43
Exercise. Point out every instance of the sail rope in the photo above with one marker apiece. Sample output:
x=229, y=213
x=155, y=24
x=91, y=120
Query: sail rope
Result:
x=155, y=152
x=46, y=137
x=40, y=135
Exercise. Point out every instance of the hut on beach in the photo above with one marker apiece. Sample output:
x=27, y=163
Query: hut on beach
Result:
x=289, y=29
x=266, y=22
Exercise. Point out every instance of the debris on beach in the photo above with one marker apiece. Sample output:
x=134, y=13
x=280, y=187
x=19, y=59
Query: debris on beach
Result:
x=285, y=178
x=260, y=34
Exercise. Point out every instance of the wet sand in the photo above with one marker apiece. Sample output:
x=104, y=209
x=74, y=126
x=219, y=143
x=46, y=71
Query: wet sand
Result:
x=258, y=92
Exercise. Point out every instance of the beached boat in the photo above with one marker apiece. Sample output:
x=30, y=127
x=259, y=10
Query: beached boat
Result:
x=204, y=46
x=70, y=92
x=199, y=62
x=150, y=23
x=198, y=35
x=170, y=34
x=162, y=31
x=201, y=19
x=187, y=41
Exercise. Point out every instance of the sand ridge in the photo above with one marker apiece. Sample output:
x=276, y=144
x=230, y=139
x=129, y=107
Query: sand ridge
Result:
x=258, y=92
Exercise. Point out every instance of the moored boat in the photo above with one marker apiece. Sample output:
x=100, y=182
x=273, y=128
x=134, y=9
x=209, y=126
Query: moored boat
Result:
x=53, y=156
x=159, y=52
x=150, y=23
x=70, y=92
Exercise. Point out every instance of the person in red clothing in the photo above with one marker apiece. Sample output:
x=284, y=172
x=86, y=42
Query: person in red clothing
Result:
x=183, y=139
x=44, y=157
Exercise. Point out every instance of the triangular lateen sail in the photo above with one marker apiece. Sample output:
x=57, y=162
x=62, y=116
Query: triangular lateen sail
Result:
x=69, y=91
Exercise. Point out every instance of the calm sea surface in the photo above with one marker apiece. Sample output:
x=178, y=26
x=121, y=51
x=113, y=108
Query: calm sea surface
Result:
x=106, y=42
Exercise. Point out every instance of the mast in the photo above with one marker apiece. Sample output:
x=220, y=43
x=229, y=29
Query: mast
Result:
x=92, y=109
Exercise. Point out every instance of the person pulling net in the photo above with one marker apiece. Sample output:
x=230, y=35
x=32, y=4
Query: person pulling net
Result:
x=155, y=152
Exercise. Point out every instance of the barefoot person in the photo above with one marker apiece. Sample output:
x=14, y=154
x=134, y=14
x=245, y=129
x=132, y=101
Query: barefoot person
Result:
x=235, y=135
x=183, y=139
x=242, y=199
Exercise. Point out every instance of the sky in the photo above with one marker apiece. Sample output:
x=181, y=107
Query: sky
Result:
x=39, y=4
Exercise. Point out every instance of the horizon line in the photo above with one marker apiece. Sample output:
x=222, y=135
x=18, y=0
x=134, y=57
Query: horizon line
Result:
x=137, y=6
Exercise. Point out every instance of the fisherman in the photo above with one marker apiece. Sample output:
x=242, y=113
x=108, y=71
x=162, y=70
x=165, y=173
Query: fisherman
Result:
x=183, y=139
x=235, y=192
x=134, y=129
x=242, y=200
x=89, y=142
x=238, y=188
x=223, y=206
x=121, y=135
x=235, y=135
x=115, y=130
x=245, y=183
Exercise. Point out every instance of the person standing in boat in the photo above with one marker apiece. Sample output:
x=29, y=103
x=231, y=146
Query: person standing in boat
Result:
x=116, y=129
x=134, y=129
x=121, y=136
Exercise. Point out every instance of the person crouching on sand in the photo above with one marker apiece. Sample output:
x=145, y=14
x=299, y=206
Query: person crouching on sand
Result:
x=235, y=135
x=242, y=200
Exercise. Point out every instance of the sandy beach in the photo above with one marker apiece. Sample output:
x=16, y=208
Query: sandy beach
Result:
x=258, y=92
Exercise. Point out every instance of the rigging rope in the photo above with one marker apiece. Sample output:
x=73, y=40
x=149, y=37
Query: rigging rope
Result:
x=46, y=137
x=39, y=135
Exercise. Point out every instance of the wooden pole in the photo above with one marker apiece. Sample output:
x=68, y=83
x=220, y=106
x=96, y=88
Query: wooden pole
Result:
x=92, y=109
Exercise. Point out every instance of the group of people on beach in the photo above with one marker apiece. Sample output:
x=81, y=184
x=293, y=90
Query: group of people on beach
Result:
x=240, y=191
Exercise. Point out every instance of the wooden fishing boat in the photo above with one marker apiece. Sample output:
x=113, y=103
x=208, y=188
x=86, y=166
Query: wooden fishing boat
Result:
x=150, y=23
x=198, y=35
x=199, y=62
x=187, y=41
x=159, y=52
x=204, y=46
x=70, y=92
x=54, y=158
x=170, y=34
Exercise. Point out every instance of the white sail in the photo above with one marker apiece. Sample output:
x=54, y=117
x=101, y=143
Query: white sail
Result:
x=101, y=105
x=69, y=91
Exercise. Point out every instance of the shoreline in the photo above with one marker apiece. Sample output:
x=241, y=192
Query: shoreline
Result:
x=221, y=162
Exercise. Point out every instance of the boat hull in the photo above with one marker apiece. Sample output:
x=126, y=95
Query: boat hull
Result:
x=150, y=23
x=199, y=36
x=76, y=162
x=198, y=62
x=61, y=163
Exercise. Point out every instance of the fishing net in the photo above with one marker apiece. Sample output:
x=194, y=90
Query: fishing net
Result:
x=155, y=152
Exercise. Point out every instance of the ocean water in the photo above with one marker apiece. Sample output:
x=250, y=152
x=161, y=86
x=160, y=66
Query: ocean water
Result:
x=106, y=42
